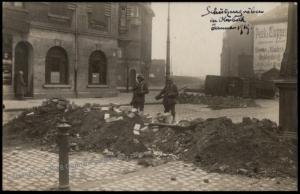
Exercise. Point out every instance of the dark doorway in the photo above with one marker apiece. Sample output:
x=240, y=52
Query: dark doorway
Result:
x=132, y=78
x=23, y=62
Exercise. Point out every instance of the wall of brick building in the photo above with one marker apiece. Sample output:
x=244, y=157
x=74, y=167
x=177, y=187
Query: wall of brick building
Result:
x=45, y=33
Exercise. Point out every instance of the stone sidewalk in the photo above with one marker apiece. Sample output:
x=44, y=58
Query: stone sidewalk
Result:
x=122, y=99
x=32, y=169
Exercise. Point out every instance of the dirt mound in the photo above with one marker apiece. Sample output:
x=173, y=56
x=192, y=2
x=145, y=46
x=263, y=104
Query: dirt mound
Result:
x=252, y=147
x=89, y=131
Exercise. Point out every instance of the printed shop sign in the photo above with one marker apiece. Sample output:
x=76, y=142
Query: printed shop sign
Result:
x=96, y=77
x=55, y=77
x=269, y=46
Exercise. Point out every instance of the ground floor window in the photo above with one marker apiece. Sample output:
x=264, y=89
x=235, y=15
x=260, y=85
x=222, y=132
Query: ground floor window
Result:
x=97, y=68
x=56, y=66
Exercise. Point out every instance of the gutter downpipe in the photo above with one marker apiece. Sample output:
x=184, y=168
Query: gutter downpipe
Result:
x=76, y=53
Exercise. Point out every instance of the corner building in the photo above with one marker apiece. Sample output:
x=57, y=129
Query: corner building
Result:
x=73, y=49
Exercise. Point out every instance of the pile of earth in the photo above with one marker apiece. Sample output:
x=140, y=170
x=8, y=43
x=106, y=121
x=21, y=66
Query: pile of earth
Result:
x=252, y=147
x=89, y=130
x=216, y=102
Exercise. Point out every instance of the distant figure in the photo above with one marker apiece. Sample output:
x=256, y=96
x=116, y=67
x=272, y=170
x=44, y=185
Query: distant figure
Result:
x=20, y=86
x=139, y=91
x=169, y=95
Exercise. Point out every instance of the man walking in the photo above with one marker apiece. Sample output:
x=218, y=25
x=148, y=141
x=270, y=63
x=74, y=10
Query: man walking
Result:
x=169, y=95
x=139, y=91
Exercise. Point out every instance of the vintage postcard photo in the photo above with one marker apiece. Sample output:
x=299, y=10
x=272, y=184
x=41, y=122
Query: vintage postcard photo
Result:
x=149, y=96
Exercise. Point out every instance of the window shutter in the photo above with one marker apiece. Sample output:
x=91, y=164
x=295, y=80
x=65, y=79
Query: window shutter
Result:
x=58, y=9
x=98, y=11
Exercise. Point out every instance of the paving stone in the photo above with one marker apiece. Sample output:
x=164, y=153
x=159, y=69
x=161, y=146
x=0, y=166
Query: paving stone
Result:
x=23, y=170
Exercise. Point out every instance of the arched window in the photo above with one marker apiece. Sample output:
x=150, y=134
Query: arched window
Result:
x=97, y=68
x=56, y=66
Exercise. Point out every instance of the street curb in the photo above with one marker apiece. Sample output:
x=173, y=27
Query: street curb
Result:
x=24, y=109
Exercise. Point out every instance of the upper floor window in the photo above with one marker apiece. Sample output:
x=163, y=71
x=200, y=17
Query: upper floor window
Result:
x=123, y=12
x=99, y=16
x=59, y=9
x=134, y=11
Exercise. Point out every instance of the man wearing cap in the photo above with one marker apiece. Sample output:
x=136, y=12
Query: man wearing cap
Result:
x=139, y=91
x=169, y=95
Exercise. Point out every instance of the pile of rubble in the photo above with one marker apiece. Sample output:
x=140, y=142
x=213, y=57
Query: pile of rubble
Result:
x=215, y=102
x=93, y=127
x=252, y=147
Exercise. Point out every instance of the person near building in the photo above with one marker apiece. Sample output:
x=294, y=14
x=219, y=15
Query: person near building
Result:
x=20, y=86
x=169, y=94
x=139, y=91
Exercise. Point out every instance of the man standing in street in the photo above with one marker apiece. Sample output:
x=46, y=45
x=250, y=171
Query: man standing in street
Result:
x=169, y=95
x=139, y=91
x=20, y=86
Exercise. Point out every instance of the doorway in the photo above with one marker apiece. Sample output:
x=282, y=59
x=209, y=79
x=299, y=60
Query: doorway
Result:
x=23, y=62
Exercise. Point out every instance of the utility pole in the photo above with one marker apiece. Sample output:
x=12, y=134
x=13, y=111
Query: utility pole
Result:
x=171, y=66
x=168, y=45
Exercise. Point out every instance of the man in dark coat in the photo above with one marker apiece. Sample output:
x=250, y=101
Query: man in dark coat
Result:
x=20, y=86
x=169, y=95
x=139, y=91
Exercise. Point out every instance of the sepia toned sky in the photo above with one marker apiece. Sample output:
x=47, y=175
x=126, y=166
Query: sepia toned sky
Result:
x=195, y=49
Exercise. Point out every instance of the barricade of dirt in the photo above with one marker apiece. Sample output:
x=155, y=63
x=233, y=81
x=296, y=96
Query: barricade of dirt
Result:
x=252, y=147
x=89, y=129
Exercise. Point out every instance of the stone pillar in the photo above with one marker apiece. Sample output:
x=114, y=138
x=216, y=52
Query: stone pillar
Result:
x=287, y=83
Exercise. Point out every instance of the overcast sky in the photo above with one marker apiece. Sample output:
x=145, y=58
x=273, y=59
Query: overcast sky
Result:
x=195, y=49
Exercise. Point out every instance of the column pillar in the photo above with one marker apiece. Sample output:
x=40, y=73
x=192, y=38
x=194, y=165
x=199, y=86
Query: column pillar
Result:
x=287, y=83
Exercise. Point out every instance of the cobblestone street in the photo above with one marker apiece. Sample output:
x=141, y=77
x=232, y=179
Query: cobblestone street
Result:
x=32, y=169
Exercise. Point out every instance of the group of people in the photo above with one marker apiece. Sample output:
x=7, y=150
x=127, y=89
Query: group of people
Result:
x=169, y=95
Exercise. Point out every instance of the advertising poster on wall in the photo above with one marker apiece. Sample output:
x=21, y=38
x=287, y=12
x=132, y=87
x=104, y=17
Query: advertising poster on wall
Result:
x=269, y=46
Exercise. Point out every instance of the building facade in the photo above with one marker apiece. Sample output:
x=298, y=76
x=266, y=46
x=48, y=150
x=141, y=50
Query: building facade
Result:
x=74, y=49
x=259, y=53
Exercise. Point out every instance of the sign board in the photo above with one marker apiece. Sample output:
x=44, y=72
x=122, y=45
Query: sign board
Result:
x=269, y=46
x=95, y=78
x=7, y=71
x=55, y=77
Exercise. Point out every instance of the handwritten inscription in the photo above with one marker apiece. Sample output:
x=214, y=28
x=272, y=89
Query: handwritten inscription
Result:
x=228, y=17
